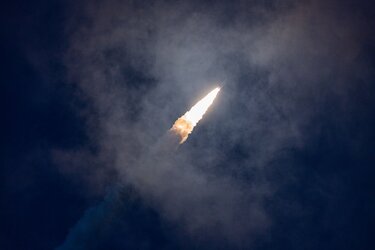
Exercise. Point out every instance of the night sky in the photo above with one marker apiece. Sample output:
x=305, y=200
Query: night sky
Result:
x=283, y=159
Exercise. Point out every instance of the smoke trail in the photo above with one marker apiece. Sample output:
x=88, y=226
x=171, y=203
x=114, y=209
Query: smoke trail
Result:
x=121, y=215
x=93, y=224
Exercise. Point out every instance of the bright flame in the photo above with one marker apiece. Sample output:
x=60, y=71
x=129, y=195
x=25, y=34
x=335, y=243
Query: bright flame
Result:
x=186, y=123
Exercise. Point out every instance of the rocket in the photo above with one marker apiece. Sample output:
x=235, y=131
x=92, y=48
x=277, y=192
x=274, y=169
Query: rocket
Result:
x=184, y=125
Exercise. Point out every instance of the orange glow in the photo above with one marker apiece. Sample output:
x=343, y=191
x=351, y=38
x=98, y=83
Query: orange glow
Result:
x=186, y=123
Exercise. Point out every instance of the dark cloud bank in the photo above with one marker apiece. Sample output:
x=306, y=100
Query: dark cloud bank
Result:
x=276, y=163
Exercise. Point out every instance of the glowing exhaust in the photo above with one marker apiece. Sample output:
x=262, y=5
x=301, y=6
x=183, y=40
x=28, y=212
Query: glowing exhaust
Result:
x=186, y=123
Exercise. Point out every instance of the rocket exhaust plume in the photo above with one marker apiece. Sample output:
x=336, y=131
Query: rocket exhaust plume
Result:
x=186, y=123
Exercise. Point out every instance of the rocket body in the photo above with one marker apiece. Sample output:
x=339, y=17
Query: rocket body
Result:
x=186, y=123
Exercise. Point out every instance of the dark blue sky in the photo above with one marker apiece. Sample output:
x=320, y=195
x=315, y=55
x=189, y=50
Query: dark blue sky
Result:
x=286, y=156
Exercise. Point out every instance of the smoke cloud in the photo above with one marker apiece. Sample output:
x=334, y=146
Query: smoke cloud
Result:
x=140, y=66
